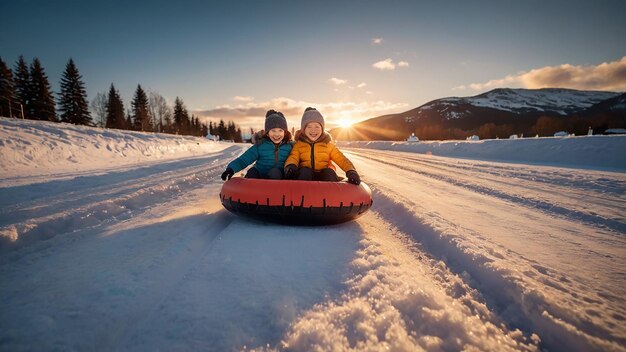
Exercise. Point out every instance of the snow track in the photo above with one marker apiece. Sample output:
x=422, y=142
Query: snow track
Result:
x=497, y=202
x=38, y=212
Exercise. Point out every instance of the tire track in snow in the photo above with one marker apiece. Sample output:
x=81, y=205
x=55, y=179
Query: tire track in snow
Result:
x=619, y=227
x=147, y=311
x=89, y=207
x=553, y=289
x=399, y=298
x=22, y=202
x=519, y=307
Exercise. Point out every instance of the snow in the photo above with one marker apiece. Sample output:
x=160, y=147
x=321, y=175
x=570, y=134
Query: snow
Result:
x=589, y=152
x=40, y=149
x=615, y=131
x=559, y=100
x=493, y=245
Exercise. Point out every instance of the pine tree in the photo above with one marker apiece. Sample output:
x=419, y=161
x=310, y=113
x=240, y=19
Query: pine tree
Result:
x=129, y=121
x=231, y=131
x=115, y=110
x=221, y=130
x=23, y=92
x=7, y=91
x=73, y=97
x=181, y=117
x=195, y=123
x=42, y=107
x=238, y=137
x=141, y=115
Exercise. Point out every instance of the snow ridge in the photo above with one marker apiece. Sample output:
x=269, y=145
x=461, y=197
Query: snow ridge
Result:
x=561, y=101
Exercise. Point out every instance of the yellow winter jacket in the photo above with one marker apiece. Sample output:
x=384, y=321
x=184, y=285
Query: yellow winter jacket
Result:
x=320, y=153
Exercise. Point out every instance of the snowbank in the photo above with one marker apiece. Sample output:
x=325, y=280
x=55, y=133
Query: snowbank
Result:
x=38, y=148
x=588, y=152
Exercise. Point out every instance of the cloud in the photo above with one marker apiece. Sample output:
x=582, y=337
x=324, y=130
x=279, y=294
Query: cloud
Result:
x=243, y=98
x=609, y=76
x=253, y=114
x=388, y=64
x=385, y=65
x=507, y=81
x=377, y=41
x=361, y=85
x=337, y=81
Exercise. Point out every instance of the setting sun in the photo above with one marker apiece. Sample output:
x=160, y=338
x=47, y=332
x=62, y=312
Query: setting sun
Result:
x=345, y=123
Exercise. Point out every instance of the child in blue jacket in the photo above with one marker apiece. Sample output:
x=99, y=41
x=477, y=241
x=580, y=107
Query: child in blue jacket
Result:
x=270, y=153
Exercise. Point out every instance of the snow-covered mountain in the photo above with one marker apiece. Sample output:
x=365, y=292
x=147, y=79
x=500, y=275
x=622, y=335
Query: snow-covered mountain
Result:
x=519, y=109
x=521, y=101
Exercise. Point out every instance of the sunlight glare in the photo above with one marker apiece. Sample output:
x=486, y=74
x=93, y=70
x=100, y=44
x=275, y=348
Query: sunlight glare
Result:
x=345, y=123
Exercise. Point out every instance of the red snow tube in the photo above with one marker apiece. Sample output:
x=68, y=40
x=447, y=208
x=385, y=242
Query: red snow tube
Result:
x=296, y=202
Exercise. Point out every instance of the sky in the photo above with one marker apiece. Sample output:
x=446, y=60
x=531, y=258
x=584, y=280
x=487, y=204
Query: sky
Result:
x=352, y=60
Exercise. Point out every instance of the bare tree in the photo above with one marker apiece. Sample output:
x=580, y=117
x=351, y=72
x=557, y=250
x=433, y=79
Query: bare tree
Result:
x=161, y=112
x=99, y=109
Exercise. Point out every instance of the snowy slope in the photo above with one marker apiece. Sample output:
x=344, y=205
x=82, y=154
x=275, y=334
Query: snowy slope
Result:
x=455, y=254
x=561, y=101
x=41, y=148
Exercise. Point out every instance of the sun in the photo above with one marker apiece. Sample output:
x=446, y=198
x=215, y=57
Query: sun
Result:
x=345, y=123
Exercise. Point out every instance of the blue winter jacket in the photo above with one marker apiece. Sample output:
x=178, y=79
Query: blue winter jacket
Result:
x=266, y=154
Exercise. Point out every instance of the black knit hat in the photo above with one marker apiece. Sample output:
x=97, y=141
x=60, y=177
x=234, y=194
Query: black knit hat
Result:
x=275, y=119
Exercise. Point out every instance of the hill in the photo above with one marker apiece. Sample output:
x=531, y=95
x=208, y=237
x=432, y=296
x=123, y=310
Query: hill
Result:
x=498, y=113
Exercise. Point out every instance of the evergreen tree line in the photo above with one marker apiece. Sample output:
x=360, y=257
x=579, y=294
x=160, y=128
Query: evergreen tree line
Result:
x=544, y=126
x=25, y=92
x=226, y=131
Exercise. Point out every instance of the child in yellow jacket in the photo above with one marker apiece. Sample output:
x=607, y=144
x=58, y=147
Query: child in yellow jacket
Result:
x=311, y=155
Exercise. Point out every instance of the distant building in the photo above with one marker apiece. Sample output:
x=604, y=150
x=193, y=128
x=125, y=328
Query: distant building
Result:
x=212, y=137
x=412, y=138
x=513, y=136
x=561, y=134
x=473, y=138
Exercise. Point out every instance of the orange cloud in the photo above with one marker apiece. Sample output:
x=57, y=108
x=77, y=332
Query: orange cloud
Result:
x=609, y=76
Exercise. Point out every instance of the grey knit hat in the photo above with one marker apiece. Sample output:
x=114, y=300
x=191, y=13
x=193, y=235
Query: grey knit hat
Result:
x=311, y=115
x=275, y=119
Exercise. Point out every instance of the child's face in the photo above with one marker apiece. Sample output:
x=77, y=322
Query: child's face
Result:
x=276, y=134
x=313, y=131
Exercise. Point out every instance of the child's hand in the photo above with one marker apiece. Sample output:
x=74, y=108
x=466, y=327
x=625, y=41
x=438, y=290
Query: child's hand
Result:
x=353, y=177
x=228, y=173
x=290, y=171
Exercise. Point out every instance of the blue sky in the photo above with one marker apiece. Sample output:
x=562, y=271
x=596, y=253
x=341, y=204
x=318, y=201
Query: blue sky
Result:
x=233, y=60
